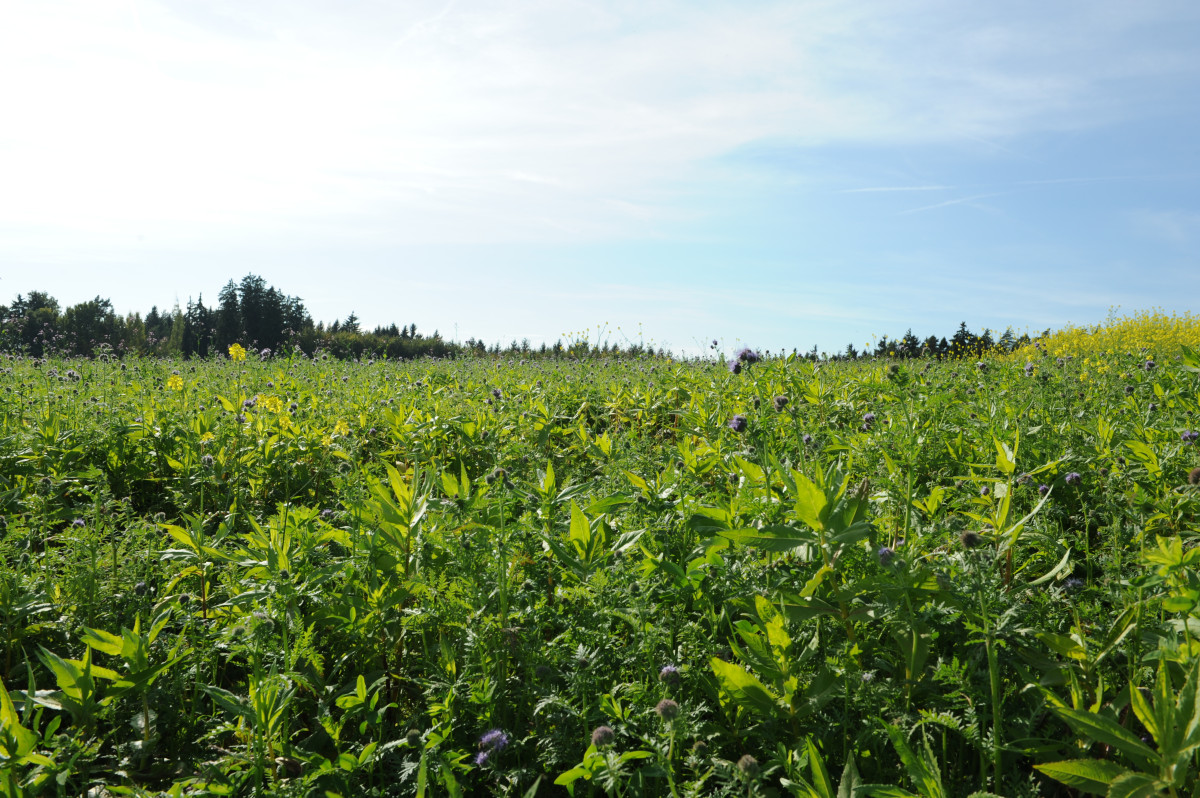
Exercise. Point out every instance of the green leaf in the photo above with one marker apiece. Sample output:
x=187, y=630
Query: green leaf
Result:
x=811, y=504
x=820, y=775
x=743, y=688
x=580, y=529
x=776, y=538
x=851, y=782
x=1135, y=785
x=104, y=642
x=1090, y=775
x=1105, y=730
x=17, y=741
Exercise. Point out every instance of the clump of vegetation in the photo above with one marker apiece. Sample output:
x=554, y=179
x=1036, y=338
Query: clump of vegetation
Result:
x=305, y=576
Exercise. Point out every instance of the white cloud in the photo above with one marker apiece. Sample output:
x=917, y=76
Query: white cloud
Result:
x=528, y=120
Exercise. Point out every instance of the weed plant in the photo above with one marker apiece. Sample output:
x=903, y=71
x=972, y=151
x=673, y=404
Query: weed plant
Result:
x=305, y=577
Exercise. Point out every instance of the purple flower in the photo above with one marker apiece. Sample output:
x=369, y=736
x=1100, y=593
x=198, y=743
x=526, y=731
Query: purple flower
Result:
x=808, y=439
x=1073, y=478
x=734, y=367
x=1028, y=369
x=496, y=393
x=985, y=490
x=669, y=673
x=78, y=522
x=748, y=355
x=886, y=554
x=1149, y=365
x=738, y=423
x=1043, y=490
x=492, y=742
x=780, y=402
x=1190, y=436
x=868, y=418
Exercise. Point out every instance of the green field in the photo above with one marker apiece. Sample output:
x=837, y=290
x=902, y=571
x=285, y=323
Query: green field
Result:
x=620, y=577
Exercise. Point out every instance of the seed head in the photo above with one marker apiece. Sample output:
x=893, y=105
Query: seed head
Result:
x=667, y=709
x=748, y=765
x=602, y=736
x=970, y=539
x=1194, y=476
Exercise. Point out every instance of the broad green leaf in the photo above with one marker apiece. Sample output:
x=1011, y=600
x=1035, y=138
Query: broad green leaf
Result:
x=777, y=538
x=851, y=782
x=743, y=688
x=1090, y=775
x=1135, y=785
x=581, y=530
x=17, y=741
x=811, y=504
x=104, y=642
x=1105, y=730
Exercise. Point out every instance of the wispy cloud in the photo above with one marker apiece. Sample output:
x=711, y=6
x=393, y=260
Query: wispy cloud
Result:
x=507, y=122
x=895, y=188
x=957, y=201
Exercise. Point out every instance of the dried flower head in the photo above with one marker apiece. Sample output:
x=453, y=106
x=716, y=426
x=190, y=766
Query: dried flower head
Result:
x=1194, y=476
x=602, y=736
x=667, y=709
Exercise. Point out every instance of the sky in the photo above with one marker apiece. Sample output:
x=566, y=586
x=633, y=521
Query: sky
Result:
x=773, y=174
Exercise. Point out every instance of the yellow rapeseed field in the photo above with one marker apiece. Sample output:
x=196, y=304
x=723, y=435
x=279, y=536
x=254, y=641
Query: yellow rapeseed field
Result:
x=1153, y=333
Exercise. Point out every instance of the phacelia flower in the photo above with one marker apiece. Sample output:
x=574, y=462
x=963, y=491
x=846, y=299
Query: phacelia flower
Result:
x=667, y=709
x=492, y=742
x=807, y=439
x=1043, y=490
x=1073, y=478
x=985, y=491
x=886, y=554
x=738, y=423
x=748, y=355
x=780, y=402
x=734, y=366
x=669, y=674
x=1190, y=436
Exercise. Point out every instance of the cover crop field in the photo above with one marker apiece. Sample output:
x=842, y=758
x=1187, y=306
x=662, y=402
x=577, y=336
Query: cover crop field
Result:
x=623, y=577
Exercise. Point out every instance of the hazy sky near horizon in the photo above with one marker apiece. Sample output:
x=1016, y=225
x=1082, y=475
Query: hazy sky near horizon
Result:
x=777, y=174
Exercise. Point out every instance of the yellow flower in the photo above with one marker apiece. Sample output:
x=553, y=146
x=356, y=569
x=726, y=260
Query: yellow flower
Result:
x=341, y=428
x=175, y=382
x=236, y=353
x=272, y=404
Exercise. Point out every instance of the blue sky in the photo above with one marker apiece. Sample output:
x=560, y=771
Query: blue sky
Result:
x=774, y=174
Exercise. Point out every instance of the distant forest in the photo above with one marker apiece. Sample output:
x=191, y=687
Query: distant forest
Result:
x=264, y=319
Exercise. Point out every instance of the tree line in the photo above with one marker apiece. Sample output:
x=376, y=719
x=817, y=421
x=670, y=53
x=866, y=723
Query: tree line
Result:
x=249, y=312
x=257, y=315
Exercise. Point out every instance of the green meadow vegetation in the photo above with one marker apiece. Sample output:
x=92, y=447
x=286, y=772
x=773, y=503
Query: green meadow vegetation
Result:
x=291, y=575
